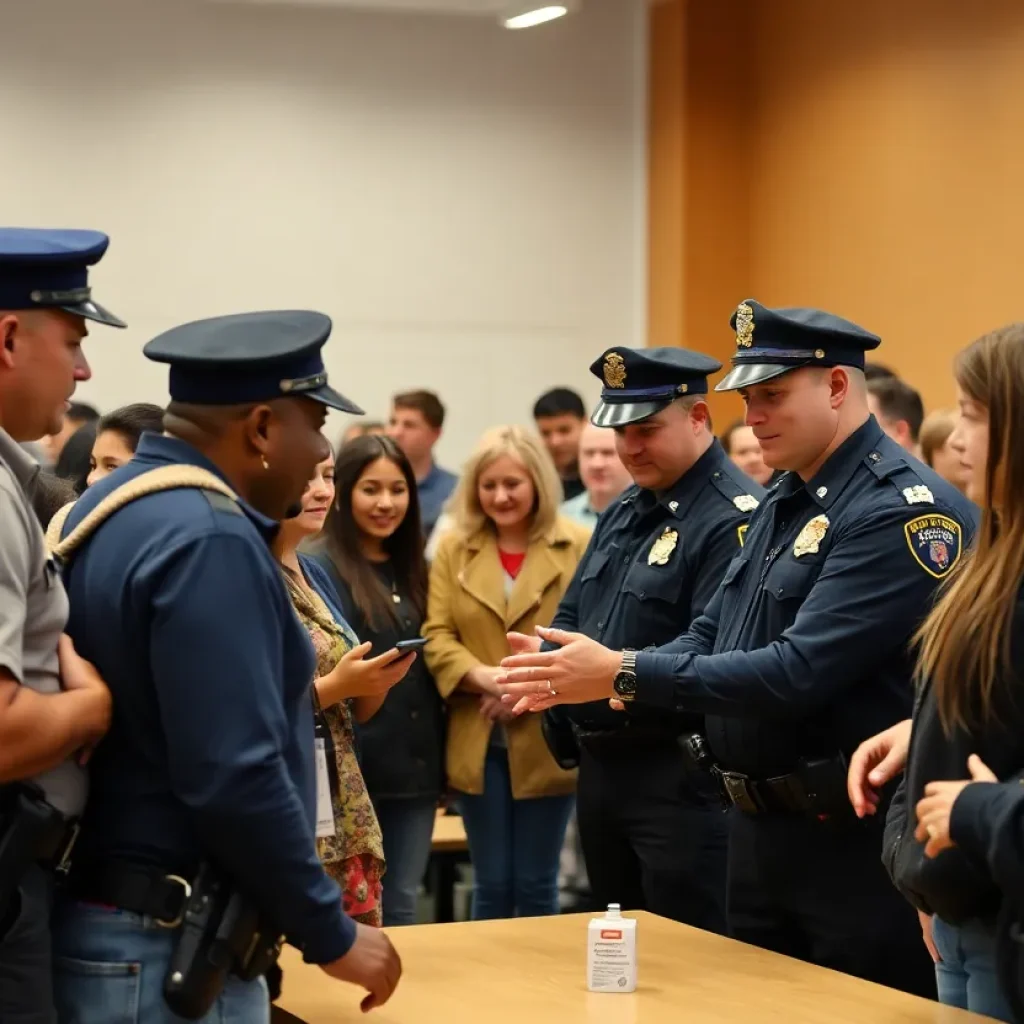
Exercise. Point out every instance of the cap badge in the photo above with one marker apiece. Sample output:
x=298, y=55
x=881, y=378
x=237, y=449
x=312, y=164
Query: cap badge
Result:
x=614, y=370
x=663, y=547
x=744, y=325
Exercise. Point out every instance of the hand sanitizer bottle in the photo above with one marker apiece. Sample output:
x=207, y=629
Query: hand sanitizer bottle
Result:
x=611, y=952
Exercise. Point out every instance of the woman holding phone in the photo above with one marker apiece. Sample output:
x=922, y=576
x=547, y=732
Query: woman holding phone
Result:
x=372, y=548
x=349, y=685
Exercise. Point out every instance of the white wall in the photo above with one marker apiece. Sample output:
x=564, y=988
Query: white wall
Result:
x=464, y=201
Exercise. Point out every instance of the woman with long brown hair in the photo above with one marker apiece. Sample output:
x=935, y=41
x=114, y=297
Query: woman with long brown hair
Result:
x=971, y=688
x=372, y=548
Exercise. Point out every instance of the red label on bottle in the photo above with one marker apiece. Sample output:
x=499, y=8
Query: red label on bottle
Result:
x=608, y=933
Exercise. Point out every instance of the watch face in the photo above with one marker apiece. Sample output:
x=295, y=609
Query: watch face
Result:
x=625, y=684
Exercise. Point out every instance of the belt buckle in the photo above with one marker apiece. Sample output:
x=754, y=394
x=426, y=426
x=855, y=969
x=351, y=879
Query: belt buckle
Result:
x=186, y=888
x=63, y=864
x=737, y=790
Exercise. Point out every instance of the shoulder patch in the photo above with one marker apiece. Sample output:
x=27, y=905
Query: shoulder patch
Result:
x=222, y=503
x=936, y=542
x=741, y=534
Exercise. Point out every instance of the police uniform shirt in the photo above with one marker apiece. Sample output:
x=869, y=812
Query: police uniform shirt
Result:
x=33, y=607
x=654, y=562
x=804, y=649
x=181, y=606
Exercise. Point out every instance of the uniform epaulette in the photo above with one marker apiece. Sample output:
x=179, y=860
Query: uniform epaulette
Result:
x=222, y=503
x=901, y=475
x=730, y=489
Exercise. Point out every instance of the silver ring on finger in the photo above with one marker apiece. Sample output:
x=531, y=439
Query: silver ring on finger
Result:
x=551, y=690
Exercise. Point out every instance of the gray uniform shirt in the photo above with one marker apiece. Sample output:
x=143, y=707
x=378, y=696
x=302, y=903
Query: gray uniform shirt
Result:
x=33, y=607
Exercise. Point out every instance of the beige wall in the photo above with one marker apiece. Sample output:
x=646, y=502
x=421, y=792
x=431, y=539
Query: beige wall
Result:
x=466, y=202
x=866, y=157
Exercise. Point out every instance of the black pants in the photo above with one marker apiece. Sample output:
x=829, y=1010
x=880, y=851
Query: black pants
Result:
x=817, y=891
x=654, y=837
x=26, y=973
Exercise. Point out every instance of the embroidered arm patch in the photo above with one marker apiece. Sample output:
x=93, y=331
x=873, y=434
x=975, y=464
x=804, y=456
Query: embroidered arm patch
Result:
x=936, y=543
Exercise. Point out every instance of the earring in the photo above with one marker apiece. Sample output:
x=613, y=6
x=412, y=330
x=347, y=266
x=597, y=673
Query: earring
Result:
x=263, y=459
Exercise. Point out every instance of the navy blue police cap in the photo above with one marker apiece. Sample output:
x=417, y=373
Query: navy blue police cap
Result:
x=249, y=357
x=42, y=268
x=769, y=342
x=639, y=382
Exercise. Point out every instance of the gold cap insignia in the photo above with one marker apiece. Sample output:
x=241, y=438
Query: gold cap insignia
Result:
x=744, y=325
x=663, y=547
x=809, y=538
x=614, y=370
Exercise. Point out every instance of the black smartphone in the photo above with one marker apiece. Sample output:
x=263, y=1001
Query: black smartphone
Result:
x=411, y=645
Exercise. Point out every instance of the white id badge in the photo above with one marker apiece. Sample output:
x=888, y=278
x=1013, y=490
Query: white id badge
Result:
x=324, y=809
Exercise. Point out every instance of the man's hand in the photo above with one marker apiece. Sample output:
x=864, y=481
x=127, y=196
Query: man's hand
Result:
x=936, y=807
x=580, y=670
x=372, y=963
x=79, y=675
x=874, y=763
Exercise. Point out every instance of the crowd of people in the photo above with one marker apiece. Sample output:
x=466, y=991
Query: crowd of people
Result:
x=763, y=683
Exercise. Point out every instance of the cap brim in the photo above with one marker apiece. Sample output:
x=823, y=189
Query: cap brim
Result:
x=335, y=399
x=618, y=414
x=745, y=374
x=94, y=311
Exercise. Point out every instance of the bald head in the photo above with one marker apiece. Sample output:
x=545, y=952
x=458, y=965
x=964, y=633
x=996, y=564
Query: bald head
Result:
x=601, y=469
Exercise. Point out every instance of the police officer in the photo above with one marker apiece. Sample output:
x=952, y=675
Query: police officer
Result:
x=804, y=650
x=210, y=756
x=52, y=703
x=653, y=833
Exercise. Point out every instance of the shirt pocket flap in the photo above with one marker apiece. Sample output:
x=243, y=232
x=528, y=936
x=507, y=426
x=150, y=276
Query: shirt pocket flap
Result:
x=788, y=579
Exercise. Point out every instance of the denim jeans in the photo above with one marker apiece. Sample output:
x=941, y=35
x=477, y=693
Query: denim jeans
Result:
x=966, y=974
x=109, y=968
x=514, y=845
x=408, y=830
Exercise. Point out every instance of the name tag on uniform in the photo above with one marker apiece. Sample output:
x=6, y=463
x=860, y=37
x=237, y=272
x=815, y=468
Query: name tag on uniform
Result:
x=324, y=807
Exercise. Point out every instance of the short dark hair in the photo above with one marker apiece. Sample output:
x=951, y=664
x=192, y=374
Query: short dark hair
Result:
x=559, y=402
x=73, y=461
x=425, y=402
x=130, y=421
x=876, y=371
x=897, y=400
x=81, y=412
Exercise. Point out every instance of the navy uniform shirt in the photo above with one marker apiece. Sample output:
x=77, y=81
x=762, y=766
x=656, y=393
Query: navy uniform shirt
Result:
x=804, y=651
x=179, y=603
x=654, y=563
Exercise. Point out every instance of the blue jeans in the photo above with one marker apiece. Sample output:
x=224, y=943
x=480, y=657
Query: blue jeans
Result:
x=109, y=968
x=514, y=845
x=966, y=974
x=408, y=829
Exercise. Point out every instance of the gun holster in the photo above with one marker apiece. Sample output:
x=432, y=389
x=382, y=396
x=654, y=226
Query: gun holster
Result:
x=221, y=934
x=31, y=829
x=560, y=736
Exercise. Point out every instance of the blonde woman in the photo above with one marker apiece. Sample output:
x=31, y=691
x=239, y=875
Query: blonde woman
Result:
x=503, y=565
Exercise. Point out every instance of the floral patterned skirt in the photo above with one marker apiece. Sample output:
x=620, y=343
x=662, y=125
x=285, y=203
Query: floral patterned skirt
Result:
x=359, y=878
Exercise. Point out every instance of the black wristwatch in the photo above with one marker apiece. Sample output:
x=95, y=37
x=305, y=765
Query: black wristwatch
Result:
x=625, y=679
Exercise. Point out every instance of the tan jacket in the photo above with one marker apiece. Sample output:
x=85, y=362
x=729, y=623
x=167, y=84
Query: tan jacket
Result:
x=467, y=619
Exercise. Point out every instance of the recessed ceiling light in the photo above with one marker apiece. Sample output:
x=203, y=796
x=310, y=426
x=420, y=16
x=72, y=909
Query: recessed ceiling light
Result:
x=536, y=16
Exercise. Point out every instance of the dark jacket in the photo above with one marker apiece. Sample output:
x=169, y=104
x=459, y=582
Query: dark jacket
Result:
x=957, y=885
x=401, y=749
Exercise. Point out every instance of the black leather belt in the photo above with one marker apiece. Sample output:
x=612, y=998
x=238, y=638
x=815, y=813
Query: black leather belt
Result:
x=136, y=888
x=818, y=788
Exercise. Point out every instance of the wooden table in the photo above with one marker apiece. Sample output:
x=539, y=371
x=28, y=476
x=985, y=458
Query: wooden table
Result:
x=532, y=971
